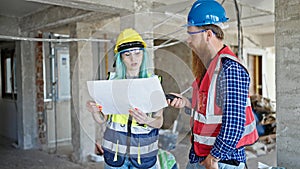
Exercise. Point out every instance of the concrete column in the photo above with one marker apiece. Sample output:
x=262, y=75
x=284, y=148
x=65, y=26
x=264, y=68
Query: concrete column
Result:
x=81, y=65
x=27, y=117
x=287, y=46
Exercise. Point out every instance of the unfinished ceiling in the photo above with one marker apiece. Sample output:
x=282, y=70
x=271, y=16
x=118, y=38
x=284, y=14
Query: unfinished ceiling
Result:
x=257, y=16
x=19, y=8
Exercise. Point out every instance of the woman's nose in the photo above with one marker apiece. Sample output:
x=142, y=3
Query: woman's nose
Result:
x=132, y=57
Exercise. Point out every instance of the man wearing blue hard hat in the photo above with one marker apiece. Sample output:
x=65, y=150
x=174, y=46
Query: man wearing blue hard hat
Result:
x=223, y=122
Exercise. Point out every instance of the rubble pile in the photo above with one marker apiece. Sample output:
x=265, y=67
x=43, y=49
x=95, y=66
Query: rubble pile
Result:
x=265, y=115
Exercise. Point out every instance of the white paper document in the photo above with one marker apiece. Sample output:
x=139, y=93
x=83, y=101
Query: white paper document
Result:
x=118, y=96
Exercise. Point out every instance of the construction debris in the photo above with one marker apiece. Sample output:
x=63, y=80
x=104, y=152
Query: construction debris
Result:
x=265, y=115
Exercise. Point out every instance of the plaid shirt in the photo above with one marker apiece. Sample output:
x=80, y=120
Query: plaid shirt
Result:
x=232, y=92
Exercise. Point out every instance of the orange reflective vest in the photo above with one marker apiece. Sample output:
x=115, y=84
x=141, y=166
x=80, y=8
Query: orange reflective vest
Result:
x=208, y=115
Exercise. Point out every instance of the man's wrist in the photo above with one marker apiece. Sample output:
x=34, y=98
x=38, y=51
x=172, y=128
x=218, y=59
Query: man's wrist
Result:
x=214, y=159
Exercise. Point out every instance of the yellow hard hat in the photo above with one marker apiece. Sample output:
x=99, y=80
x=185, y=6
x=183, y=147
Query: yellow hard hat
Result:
x=129, y=38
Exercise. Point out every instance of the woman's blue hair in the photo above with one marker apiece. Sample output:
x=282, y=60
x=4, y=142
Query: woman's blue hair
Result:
x=121, y=67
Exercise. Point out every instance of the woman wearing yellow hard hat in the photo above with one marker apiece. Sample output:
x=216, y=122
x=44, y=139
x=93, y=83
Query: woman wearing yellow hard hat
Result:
x=131, y=140
x=130, y=43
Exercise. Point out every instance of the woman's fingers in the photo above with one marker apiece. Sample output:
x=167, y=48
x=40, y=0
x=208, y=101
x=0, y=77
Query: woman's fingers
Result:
x=138, y=115
x=92, y=106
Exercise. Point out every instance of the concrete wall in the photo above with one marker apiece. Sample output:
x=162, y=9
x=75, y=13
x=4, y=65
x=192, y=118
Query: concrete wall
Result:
x=27, y=119
x=173, y=63
x=83, y=126
x=287, y=20
x=20, y=117
x=9, y=26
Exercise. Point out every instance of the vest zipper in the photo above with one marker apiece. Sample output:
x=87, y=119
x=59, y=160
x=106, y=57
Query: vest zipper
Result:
x=129, y=123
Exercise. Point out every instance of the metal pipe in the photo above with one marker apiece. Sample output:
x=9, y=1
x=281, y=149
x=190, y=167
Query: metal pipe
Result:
x=53, y=40
x=53, y=86
x=240, y=50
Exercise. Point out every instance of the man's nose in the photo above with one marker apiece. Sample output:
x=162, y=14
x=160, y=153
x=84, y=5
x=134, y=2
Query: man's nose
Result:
x=189, y=40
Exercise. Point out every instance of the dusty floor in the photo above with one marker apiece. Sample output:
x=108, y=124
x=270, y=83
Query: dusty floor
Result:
x=12, y=158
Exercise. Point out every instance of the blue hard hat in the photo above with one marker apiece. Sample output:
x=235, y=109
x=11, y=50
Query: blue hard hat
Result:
x=205, y=12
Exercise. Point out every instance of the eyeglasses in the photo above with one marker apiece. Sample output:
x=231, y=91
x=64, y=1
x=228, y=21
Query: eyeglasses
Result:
x=129, y=52
x=196, y=32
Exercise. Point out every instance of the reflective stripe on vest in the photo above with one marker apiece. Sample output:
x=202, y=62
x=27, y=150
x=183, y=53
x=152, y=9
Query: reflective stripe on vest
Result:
x=204, y=139
x=211, y=140
x=208, y=121
x=142, y=148
x=133, y=150
x=143, y=142
x=134, y=129
x=212, y=119
x=210, y=111
x=249, y=128
x=135, y=140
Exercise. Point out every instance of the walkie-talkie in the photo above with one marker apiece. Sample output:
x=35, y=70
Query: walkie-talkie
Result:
x=171, y=97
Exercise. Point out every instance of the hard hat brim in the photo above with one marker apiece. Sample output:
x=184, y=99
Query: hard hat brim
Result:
x=221, y=25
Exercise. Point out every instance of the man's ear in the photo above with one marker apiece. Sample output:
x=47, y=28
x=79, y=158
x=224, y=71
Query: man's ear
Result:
x=210, y=34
